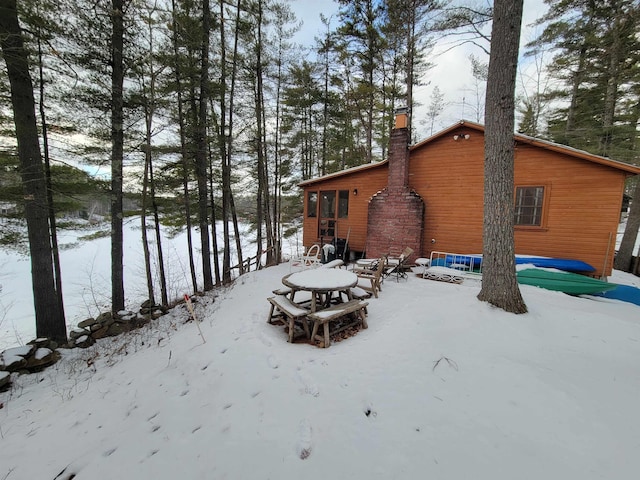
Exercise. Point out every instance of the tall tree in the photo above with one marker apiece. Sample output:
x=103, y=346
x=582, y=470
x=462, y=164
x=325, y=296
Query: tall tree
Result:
x=49, y=314
x=361, y=23
x=182, y=133
x=499, y=283
x=202, y=147
x=409, y=23
x=435, y=108
x=57, y=268
x=117, y=154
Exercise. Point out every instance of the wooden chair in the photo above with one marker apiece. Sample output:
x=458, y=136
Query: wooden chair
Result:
x=370, y=280
x=398, y=266
x=309, y=259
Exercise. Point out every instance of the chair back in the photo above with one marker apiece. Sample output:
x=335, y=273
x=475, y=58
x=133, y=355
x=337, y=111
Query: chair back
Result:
x=382, y=264
x=406, y=253
x=312, y=257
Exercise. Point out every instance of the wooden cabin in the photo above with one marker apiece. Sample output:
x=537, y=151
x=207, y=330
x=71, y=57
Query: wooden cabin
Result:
x=429, y=197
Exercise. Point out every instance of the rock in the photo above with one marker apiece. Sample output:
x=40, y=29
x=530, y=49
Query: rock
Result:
x=43, y=357
x=100, y=333
x=105, y=319
x=115, y=329
x=28, y=359
x=147, y=304
x=77, y=333
x=5, y=380
x=87, y=323
x=14, y=359
x=84, y=341
x=44, y=343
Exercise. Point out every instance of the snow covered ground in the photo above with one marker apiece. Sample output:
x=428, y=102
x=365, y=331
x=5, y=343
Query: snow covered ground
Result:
x=439, y=386
x=86, y=267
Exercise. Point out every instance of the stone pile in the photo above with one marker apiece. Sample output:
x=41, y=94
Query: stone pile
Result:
x=33, y=357
x=42, y=352
x=109, y=325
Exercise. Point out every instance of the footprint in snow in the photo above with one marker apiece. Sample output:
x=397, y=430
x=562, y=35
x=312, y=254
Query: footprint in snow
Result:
x=266, y=341
x=309, y=386
x=109, y=452
x=273, y=362
x=304, y=441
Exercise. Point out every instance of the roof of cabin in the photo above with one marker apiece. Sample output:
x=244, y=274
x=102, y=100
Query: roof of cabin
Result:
x=555, y=147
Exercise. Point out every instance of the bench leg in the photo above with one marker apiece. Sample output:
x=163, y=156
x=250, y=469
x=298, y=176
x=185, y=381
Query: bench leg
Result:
x=291, y=329
x=305, y=326
x=314, y=331
x=363, y=317
x=327, y=341
x=270, y=319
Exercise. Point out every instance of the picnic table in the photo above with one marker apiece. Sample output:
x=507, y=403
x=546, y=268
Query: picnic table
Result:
x=324, y=285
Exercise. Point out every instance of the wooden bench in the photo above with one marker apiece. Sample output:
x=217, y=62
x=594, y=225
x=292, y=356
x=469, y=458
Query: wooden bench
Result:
x=292, y=311
x=337, y=263
x=324, y=317
x=282, y=291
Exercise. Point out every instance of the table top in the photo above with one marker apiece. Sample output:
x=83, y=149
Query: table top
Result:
x=321, y=279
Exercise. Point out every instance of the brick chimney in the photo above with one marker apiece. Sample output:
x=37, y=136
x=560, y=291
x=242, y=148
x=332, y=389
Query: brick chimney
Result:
x=396, y=213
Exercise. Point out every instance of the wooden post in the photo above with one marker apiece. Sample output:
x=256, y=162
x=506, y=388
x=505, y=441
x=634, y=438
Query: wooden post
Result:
x=193, y=314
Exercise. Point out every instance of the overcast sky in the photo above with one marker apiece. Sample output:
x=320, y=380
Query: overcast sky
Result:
x=451, y=72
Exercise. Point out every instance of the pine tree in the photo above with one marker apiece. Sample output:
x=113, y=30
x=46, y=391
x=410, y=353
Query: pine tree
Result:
x=49, y=314
x=499, y=283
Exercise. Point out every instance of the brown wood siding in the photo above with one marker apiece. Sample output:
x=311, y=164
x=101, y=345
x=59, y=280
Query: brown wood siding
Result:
x=583, y=211
x=448, y=175
x=583, y=198
x=367, y=182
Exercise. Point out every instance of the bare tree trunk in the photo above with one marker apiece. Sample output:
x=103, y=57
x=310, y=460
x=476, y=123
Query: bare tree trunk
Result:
x=227, y=198
x=627, y=244
x=143, y=226
x=183, y=153
x=117, y=154
x=156, y=220
x=499, y=282
x=613, y=80
x=625, y=251
x=224, y=132
x=411, y=48
x=50, y=322
x=263, y=213
x=214, y=228
x=150, y=109
x=55, y=251
x=201, y=153
x=277, y=174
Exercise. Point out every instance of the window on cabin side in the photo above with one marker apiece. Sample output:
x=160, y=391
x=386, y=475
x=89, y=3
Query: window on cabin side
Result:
x=343, y=203
x=528, y=207
x=312, y=204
